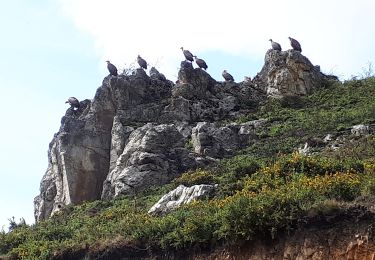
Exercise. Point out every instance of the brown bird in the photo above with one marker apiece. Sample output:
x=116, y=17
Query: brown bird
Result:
x=201, y=63
x=227, y=76
x=188, y=55
x=275, y=45
x=111, y=68
x=73, y=102
x=142, y=63
x=295, y=44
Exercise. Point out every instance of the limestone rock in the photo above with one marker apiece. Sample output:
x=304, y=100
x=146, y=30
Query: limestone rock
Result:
x=328, y=138
x=153, y=155
x=179, y=196
x=120, y=134
x=156, y=75
x=193, y=83
x=216, y=141
x=91, y=138
x=358, y=130
x=198, y=97
x=78, y=158
x=288, y=73
x=305, y=150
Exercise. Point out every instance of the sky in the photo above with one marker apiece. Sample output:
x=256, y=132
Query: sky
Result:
x=53, y=49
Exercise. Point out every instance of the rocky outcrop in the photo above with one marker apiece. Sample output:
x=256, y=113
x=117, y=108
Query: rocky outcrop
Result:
x=81, y=153
x=179, y=196
x=138, y=129
x=288, y=73
x=107, y=148
x=78, y=158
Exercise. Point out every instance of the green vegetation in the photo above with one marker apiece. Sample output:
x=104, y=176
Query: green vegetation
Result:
x=330, y=110
x=262, y=191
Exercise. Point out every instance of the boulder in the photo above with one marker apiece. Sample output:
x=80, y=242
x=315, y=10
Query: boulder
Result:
x=180, y=196
x=359, y=130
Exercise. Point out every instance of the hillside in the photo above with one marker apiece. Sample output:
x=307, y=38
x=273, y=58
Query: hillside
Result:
x=291, y=164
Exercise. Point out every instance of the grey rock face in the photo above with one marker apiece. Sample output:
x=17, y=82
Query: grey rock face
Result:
x=198, y=97
x=120, y=134
x=289, y=73
x=216, y=141
x=156, y=75
x=193, y=83
x=90, y=140
x=179, y=196
x=78, y=157
x=153, y=155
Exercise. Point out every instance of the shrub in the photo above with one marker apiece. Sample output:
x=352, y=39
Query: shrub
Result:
x=298, y=163
x=241, y=165
x=195, y=177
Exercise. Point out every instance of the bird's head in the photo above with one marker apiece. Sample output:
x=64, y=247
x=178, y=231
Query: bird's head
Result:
x=138, y=56
x=182, y=48
x=108, y=61
x=67, y=101
x=225, y=71
x=270, y=40
x=289, y=38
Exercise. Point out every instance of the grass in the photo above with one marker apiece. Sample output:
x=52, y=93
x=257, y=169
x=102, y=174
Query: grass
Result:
x=328, y=111
x=262, y=192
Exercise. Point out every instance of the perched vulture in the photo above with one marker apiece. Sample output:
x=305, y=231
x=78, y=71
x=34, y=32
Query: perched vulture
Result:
x=111, y=68
x=142, y=63
x=188, y=55
x=227, y=76
x=295, y=44
x=73, y=102
x=276, y=46
x=201, y=63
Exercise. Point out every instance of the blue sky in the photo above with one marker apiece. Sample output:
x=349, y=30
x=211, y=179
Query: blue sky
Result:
x=53, y=49
x=44, y=60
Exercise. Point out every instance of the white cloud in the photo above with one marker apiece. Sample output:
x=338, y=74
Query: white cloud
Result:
x=334, y=34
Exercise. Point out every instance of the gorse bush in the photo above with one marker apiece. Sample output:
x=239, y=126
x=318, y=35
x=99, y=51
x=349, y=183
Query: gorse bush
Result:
x=195, y=177
x=311, y=166
x=241, y=165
